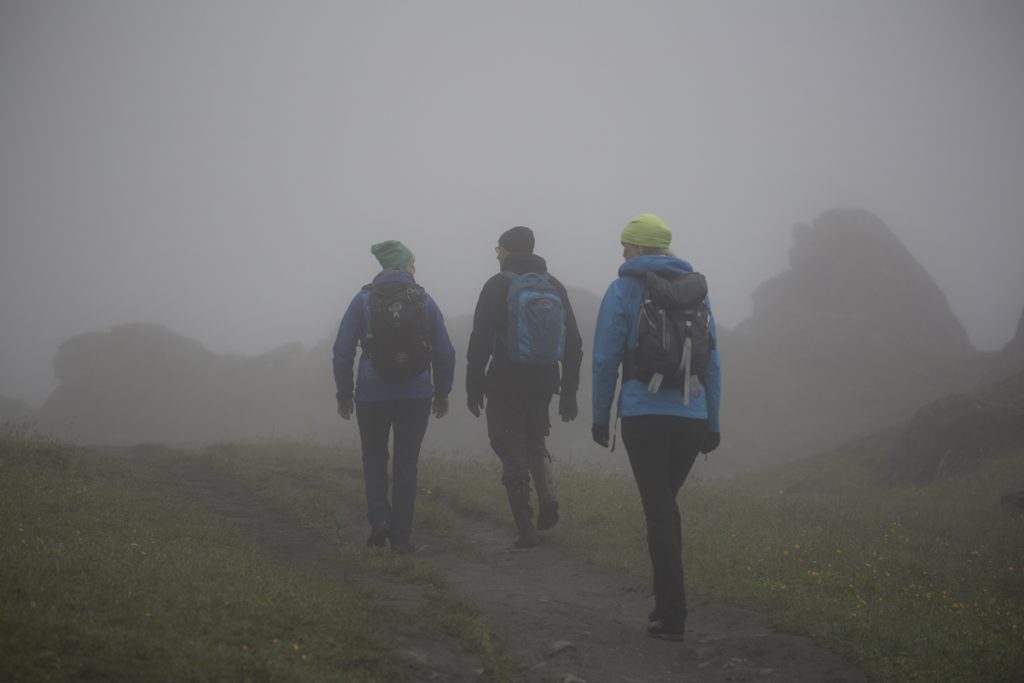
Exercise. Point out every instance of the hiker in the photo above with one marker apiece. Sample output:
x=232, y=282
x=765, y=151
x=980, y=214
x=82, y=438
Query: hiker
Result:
x=668, y=415
x=523, y=327
x=406, y=369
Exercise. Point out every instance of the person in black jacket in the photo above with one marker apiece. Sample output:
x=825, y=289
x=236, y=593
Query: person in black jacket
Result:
x=518, y=395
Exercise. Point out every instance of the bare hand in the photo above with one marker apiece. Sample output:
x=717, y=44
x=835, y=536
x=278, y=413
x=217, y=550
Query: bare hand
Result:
x=440, y=407
x=345, y=409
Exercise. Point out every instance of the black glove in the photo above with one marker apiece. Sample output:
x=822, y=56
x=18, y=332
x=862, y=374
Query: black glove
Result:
x=475, y=402
x=711, y=442
x=600, y=434
x=567, y=407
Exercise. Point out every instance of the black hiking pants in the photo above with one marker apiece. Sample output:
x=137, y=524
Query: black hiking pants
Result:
x=517, y=424
x=408, y=419
x=662, y=450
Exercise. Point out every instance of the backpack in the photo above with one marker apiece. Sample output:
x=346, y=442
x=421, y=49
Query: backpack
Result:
x=674, y=341
x=398, y=330
x=536, y=320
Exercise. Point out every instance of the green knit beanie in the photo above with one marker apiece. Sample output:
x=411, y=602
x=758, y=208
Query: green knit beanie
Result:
x=392, y=254
x=647, y=230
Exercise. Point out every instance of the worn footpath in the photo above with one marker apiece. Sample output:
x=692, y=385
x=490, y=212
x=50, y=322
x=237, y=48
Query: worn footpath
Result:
x=560, y=617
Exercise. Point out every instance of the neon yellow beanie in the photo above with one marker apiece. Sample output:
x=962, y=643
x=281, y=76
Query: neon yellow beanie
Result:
x=392, y=254
x=647, y=230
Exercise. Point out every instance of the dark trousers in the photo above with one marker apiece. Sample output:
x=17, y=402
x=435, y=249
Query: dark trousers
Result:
x=408, y=418
x=517, y=424
x=662, y=449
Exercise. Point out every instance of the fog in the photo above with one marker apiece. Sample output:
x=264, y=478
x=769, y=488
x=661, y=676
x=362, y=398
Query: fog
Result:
x=222, y=168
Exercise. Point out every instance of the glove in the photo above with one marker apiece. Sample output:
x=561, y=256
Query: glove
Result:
x=711, y=442
x=475, y=402
x=567, y=407
x=600, y=434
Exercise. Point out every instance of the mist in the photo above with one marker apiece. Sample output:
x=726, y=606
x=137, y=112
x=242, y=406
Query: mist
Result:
x=222, y=169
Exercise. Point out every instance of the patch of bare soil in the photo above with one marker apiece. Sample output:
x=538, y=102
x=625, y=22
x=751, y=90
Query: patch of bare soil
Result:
x=562, y=618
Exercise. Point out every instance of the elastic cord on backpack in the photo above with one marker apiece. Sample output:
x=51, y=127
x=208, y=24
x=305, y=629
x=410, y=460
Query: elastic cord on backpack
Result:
x=686, y=372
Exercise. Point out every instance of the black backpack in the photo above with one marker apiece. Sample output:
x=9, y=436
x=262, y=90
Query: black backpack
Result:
x=398, y=330
x=674, y=341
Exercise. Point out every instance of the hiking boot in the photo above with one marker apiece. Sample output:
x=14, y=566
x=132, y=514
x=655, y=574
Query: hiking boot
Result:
x=379, y=534
x=547, y=517
x=519, y=501
x=666, y=630
x=543, y=481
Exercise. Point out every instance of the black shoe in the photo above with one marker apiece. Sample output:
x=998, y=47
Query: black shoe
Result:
x=548, y=515
x=654, y=615
x=666, y=631
x=379, y=534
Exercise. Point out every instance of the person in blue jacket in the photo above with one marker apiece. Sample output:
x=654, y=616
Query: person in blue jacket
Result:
x=662, y=433
x=383, y=404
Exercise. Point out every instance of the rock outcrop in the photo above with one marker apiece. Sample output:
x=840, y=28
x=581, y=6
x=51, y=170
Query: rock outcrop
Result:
x=854, y=336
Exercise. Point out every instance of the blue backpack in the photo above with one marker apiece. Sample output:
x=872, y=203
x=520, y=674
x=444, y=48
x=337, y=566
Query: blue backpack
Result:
x=536, y=320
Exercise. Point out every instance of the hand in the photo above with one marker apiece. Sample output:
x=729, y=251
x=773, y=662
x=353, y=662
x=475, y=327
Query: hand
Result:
x=475, y=402
x=567, y=407
x=440, y=407
x=345, y=409
x=711, y=442
x=600, y=434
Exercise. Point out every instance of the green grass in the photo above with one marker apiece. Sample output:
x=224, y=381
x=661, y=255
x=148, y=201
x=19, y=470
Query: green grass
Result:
x=108, y=573
x=914, y=584
x=306, y=482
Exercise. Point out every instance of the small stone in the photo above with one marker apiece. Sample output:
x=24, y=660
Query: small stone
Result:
x=765, y=672
x=571, y=678
x=560, y=646
x=703, y=664
x=706, y=652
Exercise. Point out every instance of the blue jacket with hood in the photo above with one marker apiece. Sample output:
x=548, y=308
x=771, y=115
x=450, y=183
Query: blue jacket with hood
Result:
x=616, y=333
x=369, y=385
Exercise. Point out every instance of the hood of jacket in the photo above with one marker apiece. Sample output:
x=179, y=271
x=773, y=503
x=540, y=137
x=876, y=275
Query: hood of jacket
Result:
x=394, y=275
x=524, y=263
x=666, y=266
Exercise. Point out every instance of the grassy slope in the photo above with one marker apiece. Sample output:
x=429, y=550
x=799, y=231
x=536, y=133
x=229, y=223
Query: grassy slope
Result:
x=108, y=573
x=915, y=584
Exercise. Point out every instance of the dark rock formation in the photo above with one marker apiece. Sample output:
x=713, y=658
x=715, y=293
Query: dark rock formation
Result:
x=953, y=435
x=854, y=295
x=142, y=382
x=854, y=336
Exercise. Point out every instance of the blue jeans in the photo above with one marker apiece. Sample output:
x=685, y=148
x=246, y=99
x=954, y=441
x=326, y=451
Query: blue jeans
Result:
x=408, y=418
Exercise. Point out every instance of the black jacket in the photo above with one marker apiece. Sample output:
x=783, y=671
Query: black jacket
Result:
x=487, y=342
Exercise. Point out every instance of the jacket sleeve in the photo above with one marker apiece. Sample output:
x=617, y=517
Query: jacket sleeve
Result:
x=442, y=361
x=489, y=306
x=572, y=356
x=349, y=333
x=610, y=337
x=714, y=378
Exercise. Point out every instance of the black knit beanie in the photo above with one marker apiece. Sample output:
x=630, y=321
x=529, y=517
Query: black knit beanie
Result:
x=517, y=240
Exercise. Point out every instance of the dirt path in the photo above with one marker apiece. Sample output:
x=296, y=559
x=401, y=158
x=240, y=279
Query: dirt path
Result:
x=545, y=599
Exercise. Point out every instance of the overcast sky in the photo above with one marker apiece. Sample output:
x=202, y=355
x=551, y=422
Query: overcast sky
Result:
x=222, y=167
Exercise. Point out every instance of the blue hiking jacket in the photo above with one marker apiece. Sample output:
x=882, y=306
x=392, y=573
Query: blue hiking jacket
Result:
x=370, y=386
x=616, y=333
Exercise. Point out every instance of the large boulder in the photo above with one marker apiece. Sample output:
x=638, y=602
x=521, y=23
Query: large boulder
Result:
x=855, y=335
x=142, y=382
